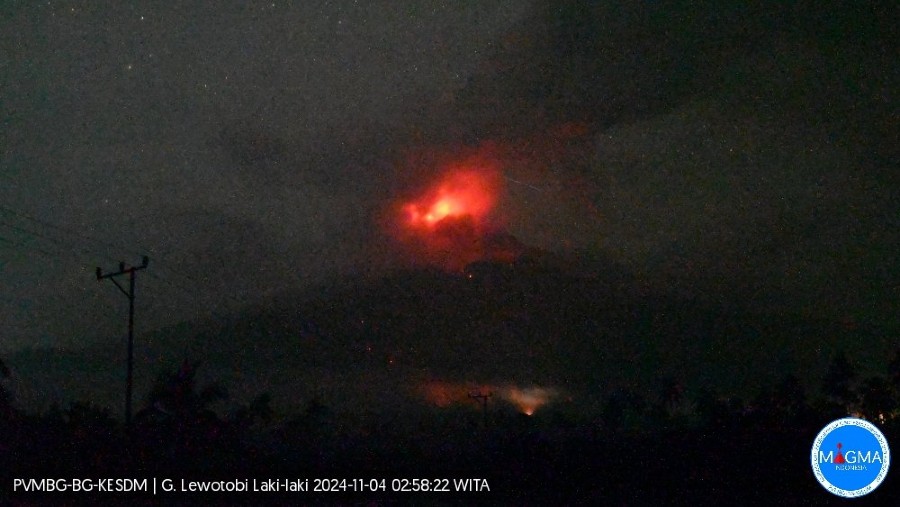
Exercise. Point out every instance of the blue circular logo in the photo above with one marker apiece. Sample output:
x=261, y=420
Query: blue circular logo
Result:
x=850, y=457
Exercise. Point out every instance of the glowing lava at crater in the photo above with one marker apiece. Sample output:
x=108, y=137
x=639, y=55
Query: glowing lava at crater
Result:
x=462, y=193
x=451, y=222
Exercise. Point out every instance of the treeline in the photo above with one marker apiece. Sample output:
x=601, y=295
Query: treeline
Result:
x=669, y=446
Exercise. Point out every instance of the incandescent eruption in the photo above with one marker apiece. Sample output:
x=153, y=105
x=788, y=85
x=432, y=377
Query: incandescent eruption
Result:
x=463, y=193
x=455, y=221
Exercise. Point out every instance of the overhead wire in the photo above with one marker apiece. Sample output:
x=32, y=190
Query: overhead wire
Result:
x=28, y=247
x=67, y=245
x=50, y=225
x=60, y=244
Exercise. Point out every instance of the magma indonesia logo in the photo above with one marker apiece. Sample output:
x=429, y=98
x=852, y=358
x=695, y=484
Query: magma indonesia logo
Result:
x=850, y=457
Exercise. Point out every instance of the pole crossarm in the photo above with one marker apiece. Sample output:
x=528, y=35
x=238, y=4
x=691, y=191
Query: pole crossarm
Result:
x=122, y=270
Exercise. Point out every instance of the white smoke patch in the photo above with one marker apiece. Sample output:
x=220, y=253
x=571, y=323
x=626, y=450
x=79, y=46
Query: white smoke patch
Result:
x=529, y=399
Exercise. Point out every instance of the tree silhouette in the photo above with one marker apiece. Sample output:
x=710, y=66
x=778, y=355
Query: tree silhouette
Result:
x=92, y=436
x=671, y=407
x=258, y=410
x=876, y=399
x=716, y=412
x=894, y=371
x=178, y=422
x=6, y=400
x=9, y=427
x=623, y=409
x=785, y=405
x=177, y=395
x=838, y=383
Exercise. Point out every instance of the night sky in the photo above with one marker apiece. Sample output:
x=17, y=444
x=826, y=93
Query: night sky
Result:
x=742, y=156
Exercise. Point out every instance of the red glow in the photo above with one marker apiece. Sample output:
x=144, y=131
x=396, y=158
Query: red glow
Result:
x=461, y=193
x=443, y=394
x=527, y=400
x=452, y=221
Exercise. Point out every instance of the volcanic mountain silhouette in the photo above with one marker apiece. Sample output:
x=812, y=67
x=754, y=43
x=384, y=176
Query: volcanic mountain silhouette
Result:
x=516, y=315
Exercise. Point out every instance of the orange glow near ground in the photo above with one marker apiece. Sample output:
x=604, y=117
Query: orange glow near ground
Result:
x=527, y=400
x=443, y=394
x=530, y=399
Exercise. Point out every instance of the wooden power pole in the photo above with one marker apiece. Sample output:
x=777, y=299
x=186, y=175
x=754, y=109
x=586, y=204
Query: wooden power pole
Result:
x=130, y=271
x=482, y=397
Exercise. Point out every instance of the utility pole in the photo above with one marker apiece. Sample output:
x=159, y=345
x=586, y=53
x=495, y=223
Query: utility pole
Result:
x=130, y=295
x=483, y=398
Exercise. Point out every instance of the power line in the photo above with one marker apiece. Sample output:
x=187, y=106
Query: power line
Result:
x=66, y=246
x=61, y=252
x=50, y=225
x=159, y=261
x=29, y=247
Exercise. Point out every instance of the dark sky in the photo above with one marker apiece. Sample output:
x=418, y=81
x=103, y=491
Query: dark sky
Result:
x=724, y=152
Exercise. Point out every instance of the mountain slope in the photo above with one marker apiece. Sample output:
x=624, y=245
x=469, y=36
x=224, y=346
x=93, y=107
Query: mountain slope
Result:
x=581, y=327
